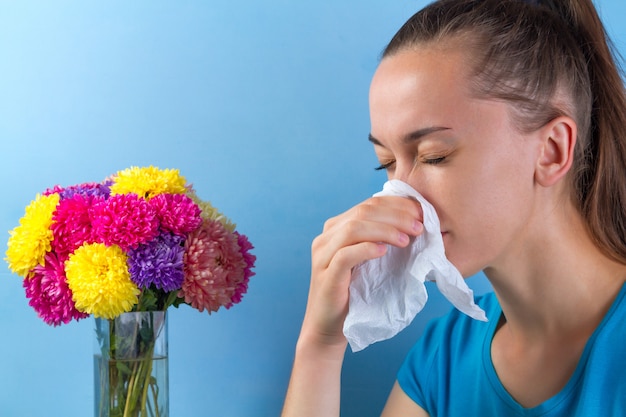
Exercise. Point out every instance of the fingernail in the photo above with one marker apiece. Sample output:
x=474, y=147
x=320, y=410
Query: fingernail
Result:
x=403, y=238
x=417, y=226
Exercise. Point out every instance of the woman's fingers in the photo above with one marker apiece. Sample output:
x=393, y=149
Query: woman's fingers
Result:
x=402, y=212
x=359, y=234
x=390, y=220
x=347, y=257
x=354, y=242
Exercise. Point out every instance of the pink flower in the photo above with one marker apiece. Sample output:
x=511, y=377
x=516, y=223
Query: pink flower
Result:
x=177, y=213
x=71, y=225
x=49, y=294
x=54, y=190
x=125, y=220
x=214, y=267
x=245, y=246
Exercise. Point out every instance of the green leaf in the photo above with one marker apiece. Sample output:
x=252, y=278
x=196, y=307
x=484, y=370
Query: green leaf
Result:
x=148, y=300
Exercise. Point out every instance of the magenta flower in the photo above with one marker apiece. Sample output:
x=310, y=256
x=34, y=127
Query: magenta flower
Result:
x=214, y=267
x=245, y=246
x=49, y=294
x=158, y=262
x=54, y=190
x=176, y=213
x=71, y=225
x=125, y=220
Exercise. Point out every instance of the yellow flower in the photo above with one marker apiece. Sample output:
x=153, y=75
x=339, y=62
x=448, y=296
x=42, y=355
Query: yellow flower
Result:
x=29, y=242
x=211, y=213
x=148, y=181
x=100, y=282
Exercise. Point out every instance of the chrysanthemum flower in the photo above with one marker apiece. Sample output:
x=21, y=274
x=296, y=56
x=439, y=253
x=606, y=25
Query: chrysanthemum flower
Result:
x=29, y=242
x=214, y=267
x=208, y=212
x=100, y=282
x=87, y=189
x=71, y=225
x=158, y=262
x=177, y=213
x=49, y=294
x=54, y=190
x=125, y=220
x=245, y=247
x=148, y=182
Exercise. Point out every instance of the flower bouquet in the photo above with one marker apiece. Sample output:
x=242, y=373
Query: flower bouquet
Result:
x=140, y=241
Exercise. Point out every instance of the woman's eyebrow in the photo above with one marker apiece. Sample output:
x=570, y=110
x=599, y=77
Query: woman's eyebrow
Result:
x=413, y=136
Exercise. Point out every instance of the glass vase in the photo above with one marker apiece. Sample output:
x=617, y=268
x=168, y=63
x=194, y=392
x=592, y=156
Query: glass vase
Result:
x=130, y=366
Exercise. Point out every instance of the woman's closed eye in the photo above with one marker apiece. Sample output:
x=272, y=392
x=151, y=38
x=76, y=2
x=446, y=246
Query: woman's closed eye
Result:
x=385, y=165
x=434, y=160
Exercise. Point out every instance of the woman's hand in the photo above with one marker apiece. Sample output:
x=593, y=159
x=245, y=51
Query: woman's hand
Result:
x=359, y=234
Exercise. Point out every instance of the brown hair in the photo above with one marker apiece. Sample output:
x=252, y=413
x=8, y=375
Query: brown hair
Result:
x=547, y=58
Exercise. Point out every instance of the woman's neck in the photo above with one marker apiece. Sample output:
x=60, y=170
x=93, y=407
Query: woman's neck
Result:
x=555, y=287
x=556, y=281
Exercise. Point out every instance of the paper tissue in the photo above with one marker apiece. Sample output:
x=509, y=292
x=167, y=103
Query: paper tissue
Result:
x=387, y=293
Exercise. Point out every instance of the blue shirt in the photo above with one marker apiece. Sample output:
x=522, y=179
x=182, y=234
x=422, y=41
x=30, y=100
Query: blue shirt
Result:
x=449, y=371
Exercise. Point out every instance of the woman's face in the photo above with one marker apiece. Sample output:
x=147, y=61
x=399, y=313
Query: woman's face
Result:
x=461, y=153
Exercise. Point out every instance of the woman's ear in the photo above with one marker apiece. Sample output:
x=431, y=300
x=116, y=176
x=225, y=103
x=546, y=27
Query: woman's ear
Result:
x=558, y=138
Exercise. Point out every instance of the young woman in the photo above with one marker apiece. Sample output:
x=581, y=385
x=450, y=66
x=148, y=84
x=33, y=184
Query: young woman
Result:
x=509, y=116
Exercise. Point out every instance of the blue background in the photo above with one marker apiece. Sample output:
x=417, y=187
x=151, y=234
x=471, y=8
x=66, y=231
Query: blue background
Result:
x=263, y=107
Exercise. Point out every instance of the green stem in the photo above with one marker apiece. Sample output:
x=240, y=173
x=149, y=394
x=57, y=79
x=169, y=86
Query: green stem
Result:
x=155, y=397
x=146, y=379
x=129, y=393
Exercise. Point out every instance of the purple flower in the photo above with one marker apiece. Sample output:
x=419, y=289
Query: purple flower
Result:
x=87, y=189
x=158, y=262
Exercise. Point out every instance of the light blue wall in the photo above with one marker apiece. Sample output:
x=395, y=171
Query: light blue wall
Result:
x=263, y=106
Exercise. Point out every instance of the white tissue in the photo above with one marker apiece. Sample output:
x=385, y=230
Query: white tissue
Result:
x=387, y=293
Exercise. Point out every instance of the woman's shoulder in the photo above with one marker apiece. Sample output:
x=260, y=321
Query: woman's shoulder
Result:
x=445, y=335
x=450, y=345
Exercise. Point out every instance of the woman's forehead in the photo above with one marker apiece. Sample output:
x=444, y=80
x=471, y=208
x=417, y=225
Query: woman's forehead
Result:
x=422, y=80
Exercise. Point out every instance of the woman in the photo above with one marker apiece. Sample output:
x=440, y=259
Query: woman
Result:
x=509, y=116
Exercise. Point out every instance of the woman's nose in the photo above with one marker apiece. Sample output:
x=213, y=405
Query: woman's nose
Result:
x=403, y=172
x=407, y=174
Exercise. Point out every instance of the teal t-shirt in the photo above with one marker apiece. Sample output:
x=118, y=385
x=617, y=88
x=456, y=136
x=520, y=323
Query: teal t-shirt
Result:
x=449, y=371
